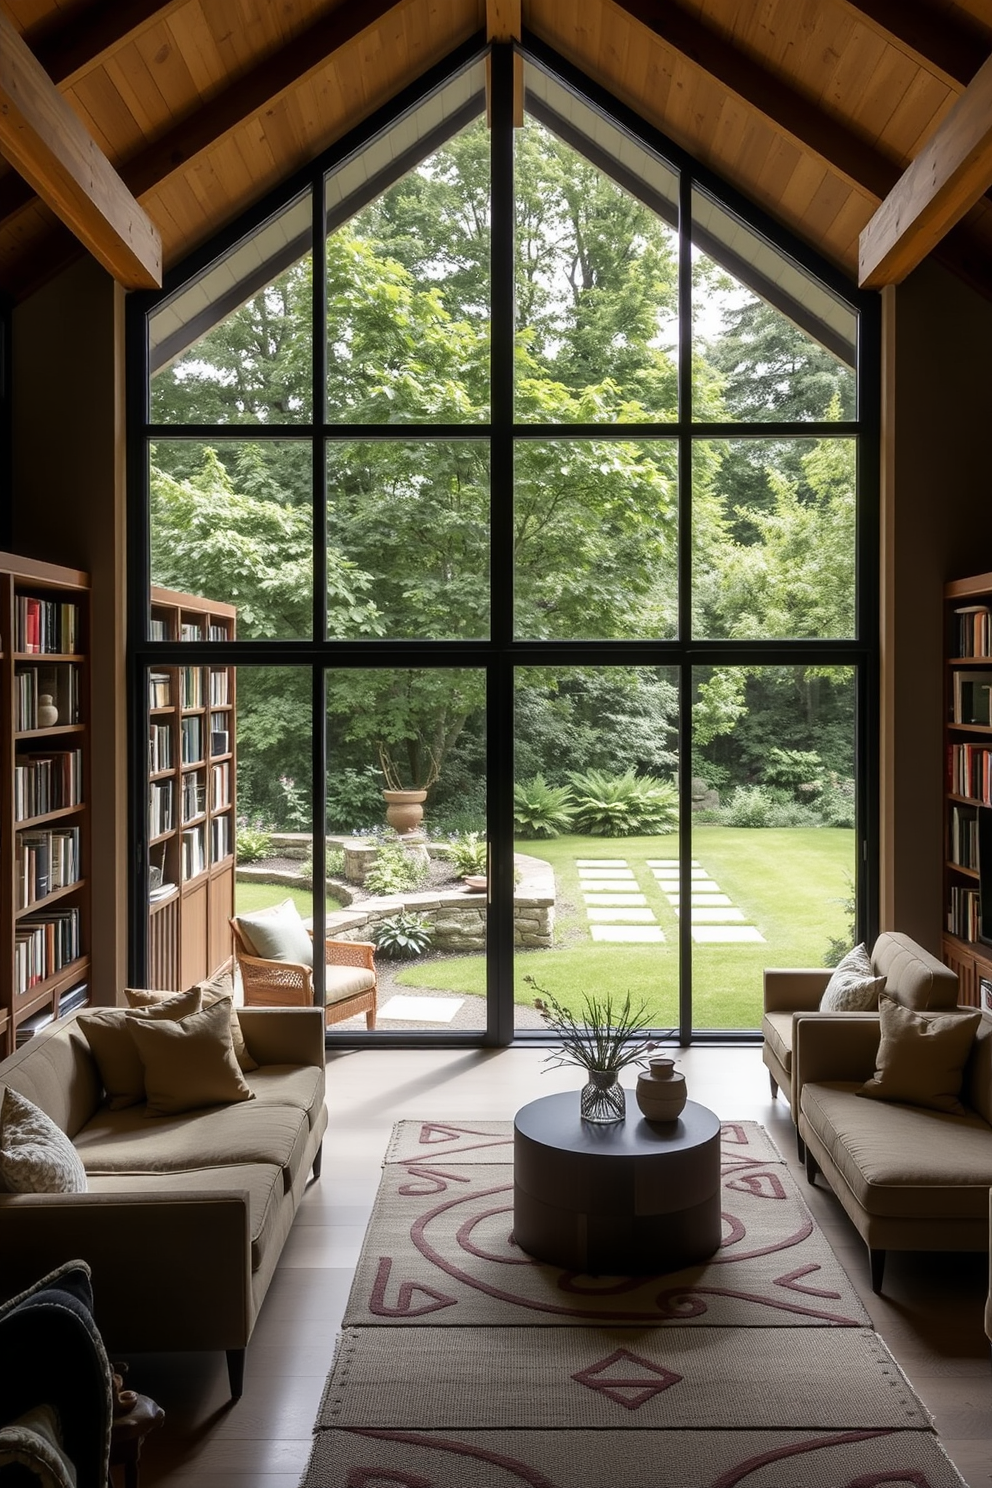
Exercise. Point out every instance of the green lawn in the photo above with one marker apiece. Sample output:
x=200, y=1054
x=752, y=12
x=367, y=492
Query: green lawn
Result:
x=790, y=883
x=252, y=896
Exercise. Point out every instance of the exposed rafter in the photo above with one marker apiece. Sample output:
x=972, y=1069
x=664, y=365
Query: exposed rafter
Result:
x=88, y=35
x=937, y=42
x=48, y=145
x=808, y=125
x=950, y=174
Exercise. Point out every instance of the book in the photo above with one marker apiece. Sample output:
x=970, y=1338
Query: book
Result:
x=972, y=698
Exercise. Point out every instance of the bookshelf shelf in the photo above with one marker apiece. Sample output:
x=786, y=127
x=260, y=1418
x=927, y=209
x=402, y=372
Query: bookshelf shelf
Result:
x=189, y=933
x=44, y=820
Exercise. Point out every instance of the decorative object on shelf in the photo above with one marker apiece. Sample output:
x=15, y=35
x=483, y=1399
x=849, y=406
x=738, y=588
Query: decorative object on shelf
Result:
x=48, y=713
x=602, y=1039
x=660, y=1090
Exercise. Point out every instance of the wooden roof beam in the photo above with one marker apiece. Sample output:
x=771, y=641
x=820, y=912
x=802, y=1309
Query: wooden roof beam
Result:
x=931, y=39
x=806, y=123
x=47, y=144
x=950, y=174
x=504, y=20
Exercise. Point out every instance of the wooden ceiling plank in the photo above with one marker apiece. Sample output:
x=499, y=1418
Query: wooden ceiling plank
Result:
x=46, y=142
x=839, y=147
x=255, y=91
x=947, y=50
x=503, y=20
x=950, y=174
x=72, y=46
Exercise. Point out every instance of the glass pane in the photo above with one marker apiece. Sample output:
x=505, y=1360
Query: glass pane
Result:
x=774, y=538
x=408, y=539
x=233, y=347
x=769, y=340
x=406, y=823
x=595, y=528
x=234, y=522
x=774, y=855
x=408, y=295
x=596, y=290
x=596, y=815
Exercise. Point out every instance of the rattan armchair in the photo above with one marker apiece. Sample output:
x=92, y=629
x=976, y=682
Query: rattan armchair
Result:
x=349, y=979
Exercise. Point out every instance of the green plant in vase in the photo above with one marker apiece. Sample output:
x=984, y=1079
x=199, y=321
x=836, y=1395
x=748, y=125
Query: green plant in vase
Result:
x=602, y=1038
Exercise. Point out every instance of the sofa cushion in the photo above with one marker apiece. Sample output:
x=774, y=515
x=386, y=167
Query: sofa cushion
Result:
x=853, y=987
x=277, y=934
x=36, y=1156
x=189, y=1062
x=301, y=1086
x=108, y=1033
x=214, y=989
x=130, y=1142
x=776, y=1030
x=913, y=977
x=903, y=1162
x=262, y=1182
x=921, y=1056
x=346, y=981
x=976, y=1087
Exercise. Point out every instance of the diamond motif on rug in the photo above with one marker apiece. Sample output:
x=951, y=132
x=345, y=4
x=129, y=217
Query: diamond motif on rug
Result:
x=626, y=1390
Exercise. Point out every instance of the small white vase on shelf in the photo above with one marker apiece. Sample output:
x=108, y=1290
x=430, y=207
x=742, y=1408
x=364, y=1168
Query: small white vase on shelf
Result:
x=660, y=1090
x=48, y=714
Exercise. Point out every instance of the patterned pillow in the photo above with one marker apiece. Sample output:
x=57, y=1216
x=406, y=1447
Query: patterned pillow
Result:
x=854, y=987
x=36, y=1156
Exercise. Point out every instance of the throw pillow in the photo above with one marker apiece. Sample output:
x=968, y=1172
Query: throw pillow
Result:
x=277, y=934
x=214, y=989
x=36, y=1156
x=921, y=1056
x=108, y=1033
x=190, y=1062
x=854, y=987
x=33, y=1445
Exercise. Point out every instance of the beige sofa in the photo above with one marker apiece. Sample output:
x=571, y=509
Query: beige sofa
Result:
x=912, y=976
x=185, y=1216
x=909, y=1178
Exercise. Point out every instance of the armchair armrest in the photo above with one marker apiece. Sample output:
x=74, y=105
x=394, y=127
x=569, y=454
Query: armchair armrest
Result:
x=278, y=982
x=838, y=1046
x=293, y=1035
x=349, y=953
x=790, y=990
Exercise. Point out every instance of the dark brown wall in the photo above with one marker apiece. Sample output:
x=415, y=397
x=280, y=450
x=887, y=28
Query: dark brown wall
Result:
x=68, y=482
x=936, y=525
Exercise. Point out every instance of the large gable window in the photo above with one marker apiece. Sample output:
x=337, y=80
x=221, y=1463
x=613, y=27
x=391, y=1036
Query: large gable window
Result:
x=532, y=463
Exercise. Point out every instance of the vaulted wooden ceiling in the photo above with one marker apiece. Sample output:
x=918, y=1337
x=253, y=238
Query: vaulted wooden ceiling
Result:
x=815, y=109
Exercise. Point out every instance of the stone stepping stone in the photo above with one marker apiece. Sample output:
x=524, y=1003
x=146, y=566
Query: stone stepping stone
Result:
x=585, y=873
x=606, y=885
x=622, y=916
x=601, y=863
x=722, y=934
x=702, y=901
x=629, y=933
x=715, y=916
x=666, y=875
x=627, y=899
x=420, y=1009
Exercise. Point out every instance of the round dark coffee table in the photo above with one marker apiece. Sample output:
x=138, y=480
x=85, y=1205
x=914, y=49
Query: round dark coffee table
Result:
x=634, y=1197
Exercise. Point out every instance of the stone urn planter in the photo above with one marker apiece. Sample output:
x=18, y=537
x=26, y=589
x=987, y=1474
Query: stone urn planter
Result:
x=404, y=810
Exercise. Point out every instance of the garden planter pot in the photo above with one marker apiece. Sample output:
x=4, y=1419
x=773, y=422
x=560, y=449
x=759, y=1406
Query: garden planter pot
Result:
x=404, y=810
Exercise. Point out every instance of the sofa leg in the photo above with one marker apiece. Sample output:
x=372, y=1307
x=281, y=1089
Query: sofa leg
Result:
x=317, y=1161
x=774, y=1084
x=876, y=1262
x=800, y=1147
x=811, y=1167
x=236, y=1371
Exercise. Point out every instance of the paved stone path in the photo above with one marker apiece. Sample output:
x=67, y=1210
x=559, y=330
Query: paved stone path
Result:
x=618, y=911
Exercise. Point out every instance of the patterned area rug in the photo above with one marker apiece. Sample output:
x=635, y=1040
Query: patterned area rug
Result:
x=464, y=1363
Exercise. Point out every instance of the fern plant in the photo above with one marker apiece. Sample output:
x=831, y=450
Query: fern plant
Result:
x=624, y=805
x=468, y=853
x=540, y=809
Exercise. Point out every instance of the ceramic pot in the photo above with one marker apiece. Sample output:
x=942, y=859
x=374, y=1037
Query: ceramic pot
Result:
x=660, y=1091
x=48, y=714
x=404, y=810
x=602, y=1098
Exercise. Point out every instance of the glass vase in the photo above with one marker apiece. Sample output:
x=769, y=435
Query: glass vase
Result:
x=602, y=1098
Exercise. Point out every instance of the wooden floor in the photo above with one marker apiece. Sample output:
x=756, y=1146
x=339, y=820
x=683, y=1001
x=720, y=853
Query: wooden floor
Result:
x=931, y=1315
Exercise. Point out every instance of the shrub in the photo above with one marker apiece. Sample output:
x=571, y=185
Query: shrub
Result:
x=468, y=853
x=755, y=806
x=334, y=861
x=837, y=803
x=402, y=936
x=540, y=809
x=395, y=871
x=352, y=796
x=623, y=805
x=837, y=949
x=794, y=769
x=252, y=842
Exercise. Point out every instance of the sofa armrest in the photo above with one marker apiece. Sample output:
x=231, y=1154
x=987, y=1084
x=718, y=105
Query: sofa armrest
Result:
x=189, y=1257
x=284, y=1035
x=795, y=990
x=834, y=1046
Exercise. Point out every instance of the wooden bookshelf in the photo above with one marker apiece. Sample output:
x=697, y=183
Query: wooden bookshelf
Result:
x=191, y=796
x=44, y=767
x=967, y=779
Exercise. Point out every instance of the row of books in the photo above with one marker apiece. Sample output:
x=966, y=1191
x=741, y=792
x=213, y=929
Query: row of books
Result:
x=219, y=688
x=974, y=630
x=963, y=913
x=220, y=786
x=964, y=837
x=220, y=838
x=191, y=740
x=159, y=630
x=43, y=945
x=69, y=1001
x=159, y=747
x=46, y=626
x=194, y=796
x=59, y=683
x=159, y=808
x=972, y=698
x=193, y=855
x=191, y=687
x=45, y=862
x=47, y=782
x=969, y=771
x=159, y=690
